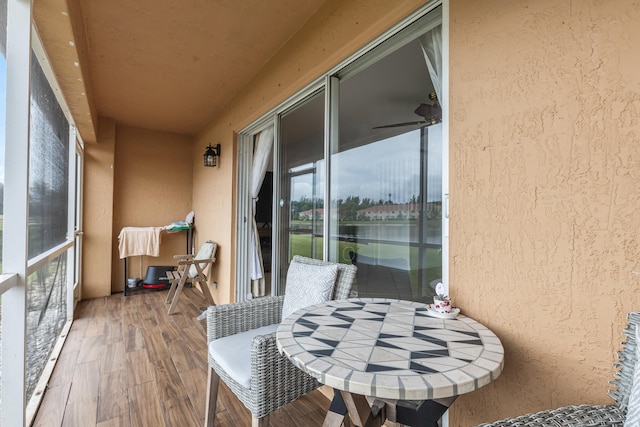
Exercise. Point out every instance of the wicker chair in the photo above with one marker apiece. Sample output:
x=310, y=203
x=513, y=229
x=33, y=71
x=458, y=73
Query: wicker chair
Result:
x=587, y=415
x=274, y=380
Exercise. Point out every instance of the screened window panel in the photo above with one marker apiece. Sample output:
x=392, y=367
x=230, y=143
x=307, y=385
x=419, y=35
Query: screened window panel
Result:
x=302, y=182
x=48, y=167
x=46, y=315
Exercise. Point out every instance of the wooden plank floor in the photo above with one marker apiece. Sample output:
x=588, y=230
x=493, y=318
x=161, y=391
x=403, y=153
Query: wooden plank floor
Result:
x=127, y=363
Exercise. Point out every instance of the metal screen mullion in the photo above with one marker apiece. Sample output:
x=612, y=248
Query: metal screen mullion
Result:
x=245, y=154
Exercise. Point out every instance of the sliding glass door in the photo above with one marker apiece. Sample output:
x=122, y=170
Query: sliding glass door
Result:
x=359, y=170
x=380, y=206
x=302, y=181
x=386, y=177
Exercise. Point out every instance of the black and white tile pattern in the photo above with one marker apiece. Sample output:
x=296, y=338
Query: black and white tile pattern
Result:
x=390, y=349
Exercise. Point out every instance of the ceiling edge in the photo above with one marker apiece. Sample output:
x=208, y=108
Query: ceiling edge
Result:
x=60, y=25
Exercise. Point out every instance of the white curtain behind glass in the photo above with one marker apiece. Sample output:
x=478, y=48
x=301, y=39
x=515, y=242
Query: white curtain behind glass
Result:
x=261, y=158
x=431, y=44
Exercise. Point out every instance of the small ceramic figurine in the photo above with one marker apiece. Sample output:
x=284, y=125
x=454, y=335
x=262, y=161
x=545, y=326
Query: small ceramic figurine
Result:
x=441, y=302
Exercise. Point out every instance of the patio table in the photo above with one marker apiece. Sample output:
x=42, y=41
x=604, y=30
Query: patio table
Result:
x=390, y=359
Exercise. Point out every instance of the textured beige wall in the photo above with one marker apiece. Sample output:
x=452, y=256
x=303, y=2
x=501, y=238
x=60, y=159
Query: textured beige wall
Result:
x=545, y=165
x=545, y=190
x=98, y=212
x=338, y=29
x=152, y=187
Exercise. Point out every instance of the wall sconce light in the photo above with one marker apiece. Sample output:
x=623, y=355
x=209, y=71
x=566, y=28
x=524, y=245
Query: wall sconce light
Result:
x=211, y=155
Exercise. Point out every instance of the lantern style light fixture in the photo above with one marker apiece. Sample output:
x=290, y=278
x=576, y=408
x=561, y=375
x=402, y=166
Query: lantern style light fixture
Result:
x=211, y=155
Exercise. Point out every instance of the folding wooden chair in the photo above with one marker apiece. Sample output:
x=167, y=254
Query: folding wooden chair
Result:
x=191, y=270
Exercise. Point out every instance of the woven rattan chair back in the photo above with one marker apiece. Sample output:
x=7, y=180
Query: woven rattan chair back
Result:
x=592, y=415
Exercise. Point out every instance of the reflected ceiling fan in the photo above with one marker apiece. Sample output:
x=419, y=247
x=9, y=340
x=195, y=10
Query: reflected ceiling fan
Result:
x=432, y=114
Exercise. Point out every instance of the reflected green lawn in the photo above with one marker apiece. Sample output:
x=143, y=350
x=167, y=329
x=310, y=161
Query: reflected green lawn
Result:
x=301, y=244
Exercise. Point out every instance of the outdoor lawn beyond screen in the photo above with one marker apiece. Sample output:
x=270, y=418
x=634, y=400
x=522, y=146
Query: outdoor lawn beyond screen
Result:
x=48, y=223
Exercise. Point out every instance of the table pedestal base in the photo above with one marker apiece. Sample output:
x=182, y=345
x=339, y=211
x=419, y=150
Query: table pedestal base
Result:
x=363, y=412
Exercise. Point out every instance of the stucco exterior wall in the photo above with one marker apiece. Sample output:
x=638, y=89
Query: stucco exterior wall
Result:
x=152, y=187
x=544, y=177
x=545, y=187
x=98, y=212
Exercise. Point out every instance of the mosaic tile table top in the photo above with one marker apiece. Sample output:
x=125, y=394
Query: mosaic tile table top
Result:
x=390, y=349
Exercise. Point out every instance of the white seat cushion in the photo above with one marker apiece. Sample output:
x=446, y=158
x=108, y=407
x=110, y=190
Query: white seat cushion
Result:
x=233, y=353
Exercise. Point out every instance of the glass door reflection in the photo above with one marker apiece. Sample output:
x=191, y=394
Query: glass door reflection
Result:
x=301, y=182
x=306, y=213
x=386, y=178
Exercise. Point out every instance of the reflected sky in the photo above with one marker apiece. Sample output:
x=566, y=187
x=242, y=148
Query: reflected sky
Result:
x=383, y=170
